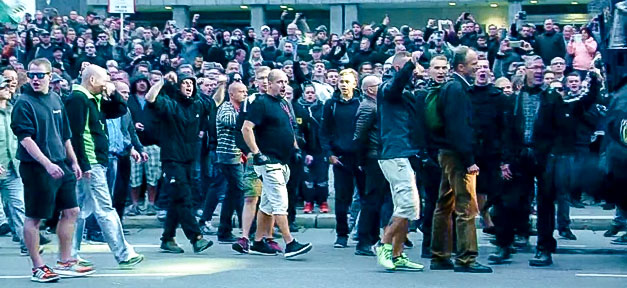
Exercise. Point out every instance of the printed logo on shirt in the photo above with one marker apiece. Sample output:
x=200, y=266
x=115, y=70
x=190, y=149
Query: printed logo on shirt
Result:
x=299, y=120
x=623, y=131
x=197, y=115
x=56, y=111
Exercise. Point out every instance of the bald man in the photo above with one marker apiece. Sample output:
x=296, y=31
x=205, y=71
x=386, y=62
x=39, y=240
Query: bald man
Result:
x=90, y=103
x=230, y=160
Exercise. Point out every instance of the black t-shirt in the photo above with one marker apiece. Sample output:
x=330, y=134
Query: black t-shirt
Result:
x=273, y=127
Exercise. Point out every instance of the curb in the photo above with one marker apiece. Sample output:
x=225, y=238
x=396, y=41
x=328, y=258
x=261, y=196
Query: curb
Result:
x=327, y=221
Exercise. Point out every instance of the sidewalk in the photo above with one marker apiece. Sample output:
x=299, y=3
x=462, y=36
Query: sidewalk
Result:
x=590, y=218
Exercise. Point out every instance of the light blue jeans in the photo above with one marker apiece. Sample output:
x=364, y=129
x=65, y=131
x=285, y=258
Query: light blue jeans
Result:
x=12, y=195
x=93, y=197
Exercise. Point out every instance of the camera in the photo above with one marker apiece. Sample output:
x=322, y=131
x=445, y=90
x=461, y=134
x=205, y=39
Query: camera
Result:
x=522, y=15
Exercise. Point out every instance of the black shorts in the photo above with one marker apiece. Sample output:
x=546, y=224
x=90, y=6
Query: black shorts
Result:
x=43, y=194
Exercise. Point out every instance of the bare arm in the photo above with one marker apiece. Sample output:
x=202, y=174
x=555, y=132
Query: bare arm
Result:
x=249, y=136
x=152, y=93
x=218, y=96
x=33, y=150
x=70, y=152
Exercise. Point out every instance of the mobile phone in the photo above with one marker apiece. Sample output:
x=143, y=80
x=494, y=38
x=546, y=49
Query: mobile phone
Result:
x=444, y=25
x=515, y=44
x=578, y=38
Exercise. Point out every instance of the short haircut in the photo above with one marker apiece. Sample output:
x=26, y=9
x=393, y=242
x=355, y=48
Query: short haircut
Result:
x=574, y=74
x=501, y=81
x=351, y=71
x=461, y=53
x=275, y=73
x=438, y=58
x=530, y=59
x=368, y=81
x=41, y=62
x=262, y=70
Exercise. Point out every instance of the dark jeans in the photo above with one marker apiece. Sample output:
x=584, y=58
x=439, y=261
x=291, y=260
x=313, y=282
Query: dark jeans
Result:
x=489, y=180
x=234, y=199
x=316, y=188
x=377, y=187
x=178, y=183
x=430, y=174
x=558, y=179
x=122, y=186
x=297, y=173
x=346, y=176
x=216, y=186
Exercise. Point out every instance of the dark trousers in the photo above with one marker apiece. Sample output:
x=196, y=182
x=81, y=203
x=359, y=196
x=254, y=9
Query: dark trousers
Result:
x=234, y=199
x=316, y=188
x=489, y=180
x=122, y=186
x=377, y=187
x=297, y=173
x=178, y=183
x=430, y=174
x=216, y=186
x=558, y=178
x=345, y=178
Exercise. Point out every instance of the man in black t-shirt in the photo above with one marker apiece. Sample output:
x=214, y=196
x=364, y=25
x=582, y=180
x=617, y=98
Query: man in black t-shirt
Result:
x=269, y=134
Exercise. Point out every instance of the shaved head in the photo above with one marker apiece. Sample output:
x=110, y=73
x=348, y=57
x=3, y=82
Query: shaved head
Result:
x=369, y=81
x=93, y=71
x=235, y=86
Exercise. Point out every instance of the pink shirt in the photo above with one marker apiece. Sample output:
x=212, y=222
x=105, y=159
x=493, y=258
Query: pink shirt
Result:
x=583, y=53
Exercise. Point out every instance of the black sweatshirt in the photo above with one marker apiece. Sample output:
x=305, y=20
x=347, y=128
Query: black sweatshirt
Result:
x=338, y=125
x=43, y=118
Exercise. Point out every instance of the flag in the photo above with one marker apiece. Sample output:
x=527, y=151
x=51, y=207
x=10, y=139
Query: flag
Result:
x=9, y=14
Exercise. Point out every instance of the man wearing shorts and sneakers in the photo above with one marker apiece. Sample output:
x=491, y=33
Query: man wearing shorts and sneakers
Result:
x=49, y=170
x=269, y=124
x=401, y=138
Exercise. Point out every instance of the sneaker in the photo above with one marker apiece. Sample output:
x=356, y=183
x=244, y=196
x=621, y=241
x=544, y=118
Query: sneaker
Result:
x=324, y=207
x=151, y=210
x=274, y=245
x=95, y=237
x=612, y=231
x=43, y=240
x=577, y=204
x=201, y=244
x=24, y=251
x=241, y=246
x=228, y=239
x=294, y=228
x=134, y=211
x=341, y=242
x=384, y=256
x=161, y=214
x=622, y=240
x=364, y=250
x=44, y=274
x=475, y=267
x=490, y=230
x=408, y=244
x=16, y=239
x=130, y=263
x=294, y=249
x=262, y=248
x=84, y=262
x=72, y=269
x=567, y=234
x=521, y=242
x=308, y=209
x=171, y=247
x=208, y=229
x=5, y=229
x=402, y=263
x=501, y=256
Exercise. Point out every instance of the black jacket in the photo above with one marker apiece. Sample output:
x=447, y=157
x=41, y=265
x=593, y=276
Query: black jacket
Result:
x=148, y=117
x=338, y=125
x=309, y=118
x=488, y=120
x=397, y=109
x=366, y=135
x=549, y=46
x=87, y=114
x=457, y=134
x=181, y=120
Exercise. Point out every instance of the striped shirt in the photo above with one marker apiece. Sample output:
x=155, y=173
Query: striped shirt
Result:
x=227, y=151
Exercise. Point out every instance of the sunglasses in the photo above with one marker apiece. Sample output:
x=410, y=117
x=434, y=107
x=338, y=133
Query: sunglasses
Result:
x=559, y=89
x=38, y=75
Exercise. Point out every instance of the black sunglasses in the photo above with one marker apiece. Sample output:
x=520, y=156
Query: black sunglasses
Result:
x=559, y=89
x=38, y=75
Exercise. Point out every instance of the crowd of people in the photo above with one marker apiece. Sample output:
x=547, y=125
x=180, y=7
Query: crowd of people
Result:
x=424, y=127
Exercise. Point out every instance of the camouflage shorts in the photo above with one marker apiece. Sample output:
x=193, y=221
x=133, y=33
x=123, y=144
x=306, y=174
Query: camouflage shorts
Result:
x=252, y=182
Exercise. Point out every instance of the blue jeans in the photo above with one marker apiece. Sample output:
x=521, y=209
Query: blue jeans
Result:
x=94, y=197
x=12, y=194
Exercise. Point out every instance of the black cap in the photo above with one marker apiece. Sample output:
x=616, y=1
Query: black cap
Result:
x=57, y=48
x=316, y=49
x=44, y=32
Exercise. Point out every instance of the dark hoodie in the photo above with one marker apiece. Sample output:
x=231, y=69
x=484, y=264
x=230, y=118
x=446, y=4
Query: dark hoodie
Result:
x=181, y=119
x=338, y=124
x=148, y=117
x=309, y=118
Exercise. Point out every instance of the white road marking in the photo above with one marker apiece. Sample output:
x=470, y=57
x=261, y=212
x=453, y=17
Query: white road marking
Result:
x=603, y=275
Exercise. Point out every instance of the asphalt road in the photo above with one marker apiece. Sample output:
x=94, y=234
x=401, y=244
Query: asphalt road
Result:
x=325, y=266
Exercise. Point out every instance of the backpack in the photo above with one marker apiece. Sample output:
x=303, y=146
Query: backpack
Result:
x=433, y=109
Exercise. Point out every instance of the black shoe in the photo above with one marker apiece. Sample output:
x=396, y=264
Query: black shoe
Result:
x=521, y=242
x=577, y=204
x=408, y=244
x=426, y=253
x=608, y=206
x=364, y=250
x=541, y=259
x=228, y=239
x=171, y=247
x=294, y=228
x=501, y=256
x=294, y=249
x=43, y=240
x=202, y=244
x=341, y=242
x=261, y=248
x=95, y=237
x=567, y=234
x=612, y=231
x=17, y=239
x=490, y=230
x=622, y=240
x=473, y=268
x=5, y=229
x=442, y=265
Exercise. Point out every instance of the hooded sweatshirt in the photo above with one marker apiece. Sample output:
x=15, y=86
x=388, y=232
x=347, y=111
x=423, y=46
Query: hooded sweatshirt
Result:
x=141, y=114
x=338, y=124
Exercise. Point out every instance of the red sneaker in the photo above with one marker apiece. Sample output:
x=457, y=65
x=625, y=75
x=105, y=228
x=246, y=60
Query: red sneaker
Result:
x=44, y=274
x=324, y=207
x=274, y=246
x=308, y=208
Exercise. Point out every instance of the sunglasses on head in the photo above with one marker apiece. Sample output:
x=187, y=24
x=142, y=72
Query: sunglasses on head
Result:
x=38, y=75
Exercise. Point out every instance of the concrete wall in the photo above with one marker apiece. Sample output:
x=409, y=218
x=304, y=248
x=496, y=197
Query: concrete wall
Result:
x=417, y=17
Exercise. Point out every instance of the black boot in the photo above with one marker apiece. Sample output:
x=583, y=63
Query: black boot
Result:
x=541, y=259
x=501, y=256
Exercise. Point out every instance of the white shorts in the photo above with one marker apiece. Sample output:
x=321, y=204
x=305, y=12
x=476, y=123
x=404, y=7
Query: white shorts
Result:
x=274, y=199
x=402, y=180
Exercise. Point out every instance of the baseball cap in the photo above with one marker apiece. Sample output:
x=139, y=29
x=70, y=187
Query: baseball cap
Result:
x=265, y=27
x=316, y=49
x=55, y=78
